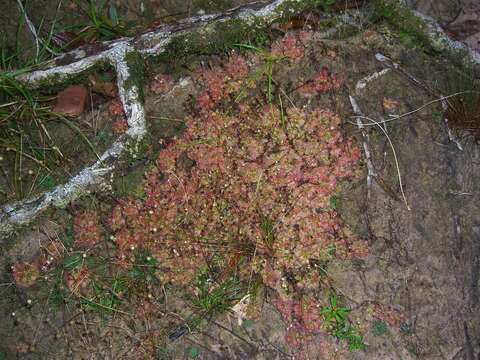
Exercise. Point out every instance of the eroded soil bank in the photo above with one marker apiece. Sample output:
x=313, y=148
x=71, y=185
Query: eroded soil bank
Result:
x=254, y=226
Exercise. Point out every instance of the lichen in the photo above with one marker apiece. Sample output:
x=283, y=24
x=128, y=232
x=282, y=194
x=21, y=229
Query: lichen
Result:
x=136, y=66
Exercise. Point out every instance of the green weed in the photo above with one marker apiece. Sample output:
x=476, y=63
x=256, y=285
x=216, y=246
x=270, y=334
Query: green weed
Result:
x=267, y=230
x=333, y=202
x=215, y=298
x=379, y=327
x=335, y=317
x=265, y=70
x=103, y=24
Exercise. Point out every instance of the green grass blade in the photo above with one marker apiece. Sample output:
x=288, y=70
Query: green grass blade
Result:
x=78, y=131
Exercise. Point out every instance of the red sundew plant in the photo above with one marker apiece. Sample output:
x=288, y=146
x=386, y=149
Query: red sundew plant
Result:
x=78, y=281
x=236, y=67
x=162, y=84
x=322, y=82
x=86, y=229
x=25, y=274
x=119, y=121
x=119, y=125
x=292, y=45
x=115, y=107
x=304, y=329
x=247, y=189
x=219, y=83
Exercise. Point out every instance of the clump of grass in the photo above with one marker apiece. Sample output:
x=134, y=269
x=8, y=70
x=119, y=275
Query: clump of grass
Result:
x=27, y=127
x=267, y=230
x=463, y=110
x=212, y=298
x=266, y=70
x=215, y=298
x=103, y=24
x=325, y=5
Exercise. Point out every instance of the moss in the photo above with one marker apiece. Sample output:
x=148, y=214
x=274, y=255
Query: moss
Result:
x=130, y=182
x=216, y=38
x=221, y=36
x=412, y=31
x=134, y=150
x=136, y=67
x=128, y=176
x=8, y=236
x=56, y=83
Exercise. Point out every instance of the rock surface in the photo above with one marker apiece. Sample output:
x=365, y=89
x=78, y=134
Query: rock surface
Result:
x=71, y=101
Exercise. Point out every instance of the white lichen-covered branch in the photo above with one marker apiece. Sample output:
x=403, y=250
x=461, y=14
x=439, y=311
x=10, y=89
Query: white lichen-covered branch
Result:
x=115, y=53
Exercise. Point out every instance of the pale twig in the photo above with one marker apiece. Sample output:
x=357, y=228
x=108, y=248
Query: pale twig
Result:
x=395, y=66
x=397, y=117
x=394, y=156
x=104, y=306
x=362, y=83
x=370, y=168
x=31, y=27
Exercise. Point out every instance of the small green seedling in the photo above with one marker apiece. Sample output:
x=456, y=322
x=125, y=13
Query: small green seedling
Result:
x=193, y=352
x=335, y=317
x=335, y=314
x=379, y=327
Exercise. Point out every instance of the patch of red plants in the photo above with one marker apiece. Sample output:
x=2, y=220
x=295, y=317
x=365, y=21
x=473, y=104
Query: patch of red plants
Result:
x=215, y=187
x=292, y=45
x=322, y=82
x=161, y=84
x=86, y=228
x=219, y=83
